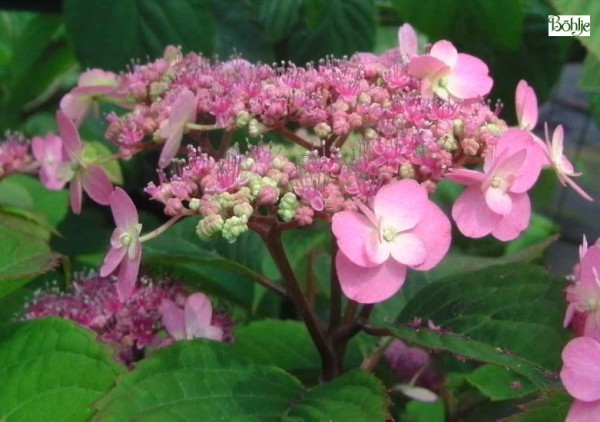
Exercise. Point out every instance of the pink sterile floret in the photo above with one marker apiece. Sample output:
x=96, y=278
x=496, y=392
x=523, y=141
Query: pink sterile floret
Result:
x=580, y=375
x=496, y=200
x=48, y=152
x=193, y=321
x=404, y=229
x=444, y=71
x=407, y=40
x=126, y=248
x=526, y=106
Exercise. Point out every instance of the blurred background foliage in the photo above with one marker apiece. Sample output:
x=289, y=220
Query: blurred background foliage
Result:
x=44, y=44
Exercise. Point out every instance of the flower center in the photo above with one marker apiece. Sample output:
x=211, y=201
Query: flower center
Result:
x=497, y=182
x=388, y=234
x=125, y=239
x=443, y=82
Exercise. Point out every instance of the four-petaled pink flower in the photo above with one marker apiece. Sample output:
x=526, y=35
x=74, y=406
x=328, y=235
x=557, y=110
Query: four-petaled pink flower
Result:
x=580, y=375
x=76, y=169
x=561, y=164
x=404, y=229
x=446, y=72
x=496, y=200
x=183, y=111
x=126, y=248
x=194, y=321
x=48, y=152
x=92, y=84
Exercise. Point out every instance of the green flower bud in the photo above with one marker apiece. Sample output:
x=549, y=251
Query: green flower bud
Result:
x=209, y=226
x=256, y=128
x=243, y=210
x=233, y=227
x=194, y=204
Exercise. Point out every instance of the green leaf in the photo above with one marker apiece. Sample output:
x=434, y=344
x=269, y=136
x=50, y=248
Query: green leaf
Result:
x=499, y=23
x=499, y=383
x=595, y=107
x=418, y=411
x=112, y=167
x=516, y=307
x=110, y=37
x=541, y=230
x=278, y=17
x=590, y=78
x=52, y=368
x=552, y=408
x=344, y=28
x=591, y=8
x=461, y=345
x=209, y=381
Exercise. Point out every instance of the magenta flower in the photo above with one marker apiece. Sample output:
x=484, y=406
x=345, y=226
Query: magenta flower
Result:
x=194, y=321
x=48, y=152
x=580, y=375
x=583, y=311
x=561, y=164
x=183, y=112
x=496, y=200
x=404, y=229
x=77, y=170
x=92, y=84
x=126, y=248
x=446, y=72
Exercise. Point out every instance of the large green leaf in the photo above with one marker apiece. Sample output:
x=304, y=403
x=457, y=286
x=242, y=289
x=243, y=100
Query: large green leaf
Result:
x=110, y=36
x=209, y=381
x=52, y=370
x=552, y=408
x=591, y=8
x=278, y=17
x=518, y=308
x=500, y=383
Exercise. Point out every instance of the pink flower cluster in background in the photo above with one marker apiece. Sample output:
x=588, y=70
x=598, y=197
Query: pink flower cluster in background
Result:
x=136, y=324
x=15, y=155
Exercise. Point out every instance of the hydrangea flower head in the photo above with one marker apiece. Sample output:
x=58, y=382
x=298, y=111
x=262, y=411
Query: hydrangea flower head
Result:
x=404, y=229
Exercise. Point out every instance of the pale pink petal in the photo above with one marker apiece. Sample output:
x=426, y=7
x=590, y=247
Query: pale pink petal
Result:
x=435, y=232
x=578, y=189
x=354, y=234
x=558, y=137
x=400, y=204
x=465, y=176
x=512, y=224
x=408, y=249
x=170, y=148
x=498, y=200
x=71, y=140
x=589, y=268
x=47, y=151
x=580, y=373
x=94, y=91
x=172, y=318
x=369, y=285
x=446, y=52
x=472, y=215
x=197, y=314
x=376, y=251
x=469, y=78
x=123, y=209
x=76, y=107
x=582, y=411
x=407, y=39
x=511, y=142
x=112, y=260
x=212, y=332
x=526, y=106
x=425, y=66
x=128, y=273
x=95, y=77
x=97, y=184
x=76, y=194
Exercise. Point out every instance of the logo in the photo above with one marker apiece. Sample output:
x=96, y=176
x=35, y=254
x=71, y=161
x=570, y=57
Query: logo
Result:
x=569, y=25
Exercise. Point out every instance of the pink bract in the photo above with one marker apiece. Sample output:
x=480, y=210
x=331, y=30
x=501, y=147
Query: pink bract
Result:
x=408, y=41
x=580, y=375
x=48, y=152
x=526, y=106
x=183, y=111
x=126, y=249
x=446, y=72
x=193, y=321
x=404, y=229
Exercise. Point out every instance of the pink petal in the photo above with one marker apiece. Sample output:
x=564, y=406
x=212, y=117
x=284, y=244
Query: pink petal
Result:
x=408, y=249
x=498, y=200
x=512, y=224
x=558, y=137
x=212, y=332
x=76, y=194
x=526, y=106
x=197, y=314
x=97, y=184
x=435, y=232
x=75, y=107
x=123, y=209
x=400, y=204
x=170, y=148
x=369, y=285
x=578, y=189
x=112, y=260
x=469, y=78
x=425, y=66
x=472, y=215
x=580, y=373
x=589, y=268
x=172, y=318
x=513, y=141
x=465, y=176
x=354, y=234
x=71, y=141
x=128, y=273
x=407, y=39
x=446, y=52
x=96, y=77
x=582, y=411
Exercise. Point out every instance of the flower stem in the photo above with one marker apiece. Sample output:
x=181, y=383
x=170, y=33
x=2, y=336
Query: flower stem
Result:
x=294, y=138
x=194, y=126
x=160, y=230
